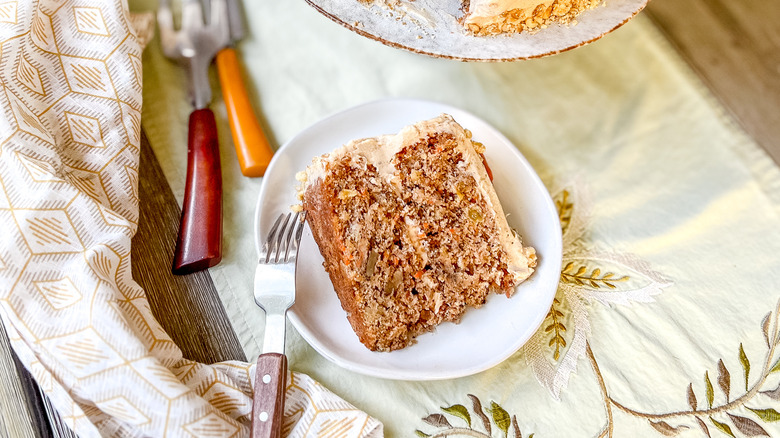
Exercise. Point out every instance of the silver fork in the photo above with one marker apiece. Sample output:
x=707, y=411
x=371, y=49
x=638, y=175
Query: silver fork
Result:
x=199, y=242
x=275, y=293
x=196, y=43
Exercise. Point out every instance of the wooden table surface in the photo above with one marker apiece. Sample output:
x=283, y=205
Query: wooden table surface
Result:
x=733, y=46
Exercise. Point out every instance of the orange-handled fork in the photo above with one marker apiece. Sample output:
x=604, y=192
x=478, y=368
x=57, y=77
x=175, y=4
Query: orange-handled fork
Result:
x=252, y=147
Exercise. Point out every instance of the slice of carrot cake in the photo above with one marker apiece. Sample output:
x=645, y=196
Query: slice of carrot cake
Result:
x=411, y=230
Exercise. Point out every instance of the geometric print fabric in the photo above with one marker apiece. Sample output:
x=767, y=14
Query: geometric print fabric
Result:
x=70, y=121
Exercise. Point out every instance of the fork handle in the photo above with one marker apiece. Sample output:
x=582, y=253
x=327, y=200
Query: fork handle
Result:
x=199, y=244
x=252, y=147
x=268, y=407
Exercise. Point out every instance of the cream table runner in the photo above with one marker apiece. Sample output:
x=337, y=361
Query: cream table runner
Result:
x=666, y=320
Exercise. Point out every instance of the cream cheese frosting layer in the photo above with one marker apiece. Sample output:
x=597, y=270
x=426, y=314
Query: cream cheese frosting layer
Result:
x=495, y=16
x=489, y=9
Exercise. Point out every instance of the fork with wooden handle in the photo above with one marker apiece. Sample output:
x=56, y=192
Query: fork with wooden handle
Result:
x=274, y=291
x=199, y=243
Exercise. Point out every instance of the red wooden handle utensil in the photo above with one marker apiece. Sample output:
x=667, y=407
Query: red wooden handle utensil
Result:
x=268, y=407
x=199, y=245
x=252, y=147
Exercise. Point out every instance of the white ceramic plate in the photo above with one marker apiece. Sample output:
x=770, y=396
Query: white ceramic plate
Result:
x=431, y=27
x=485, y=336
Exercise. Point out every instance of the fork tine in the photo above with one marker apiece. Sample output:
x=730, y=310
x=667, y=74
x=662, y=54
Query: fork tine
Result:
x=165, y=24
x=164, y=14
x=218, y=13
x=290, y=233
x=299, y=233
x=191, y=14
x=281, y=245
x=269, y=241
x=280, y=238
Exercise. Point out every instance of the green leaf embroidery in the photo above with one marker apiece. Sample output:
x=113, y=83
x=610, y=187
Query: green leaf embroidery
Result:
x=747, y=426
x=565, y=208
x=557, y=328
x=710, y=392
x=723, y=427
x=776, y=367
x=501, y=417
x=580, y=277
x=421, y=433
x=745, y=364
x=459, y=411
x=766, y=414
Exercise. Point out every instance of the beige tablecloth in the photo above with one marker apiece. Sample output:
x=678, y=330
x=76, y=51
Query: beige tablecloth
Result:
x=656, y=187
x=665, y=321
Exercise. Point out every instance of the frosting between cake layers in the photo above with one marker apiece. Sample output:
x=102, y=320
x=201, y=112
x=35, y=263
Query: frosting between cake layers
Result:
x=380, y=151
x=494, y=16
x=491, y=8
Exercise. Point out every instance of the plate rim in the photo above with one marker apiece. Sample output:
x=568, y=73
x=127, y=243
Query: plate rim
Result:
x=391, y=374
x=396, y=45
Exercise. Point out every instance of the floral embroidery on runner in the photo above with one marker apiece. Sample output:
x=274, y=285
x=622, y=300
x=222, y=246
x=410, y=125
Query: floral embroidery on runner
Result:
x=587, y=275
x=722, y=414
x=726, y=416
x=553, y=352
x=499, y=418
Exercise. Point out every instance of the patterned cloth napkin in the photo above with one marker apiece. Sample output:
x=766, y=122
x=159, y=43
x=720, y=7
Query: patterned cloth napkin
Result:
x=666, y=319
x=69, y=151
